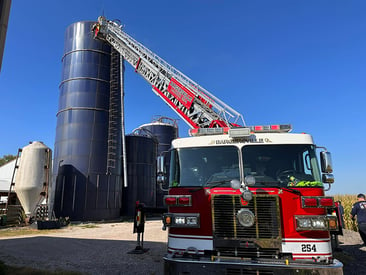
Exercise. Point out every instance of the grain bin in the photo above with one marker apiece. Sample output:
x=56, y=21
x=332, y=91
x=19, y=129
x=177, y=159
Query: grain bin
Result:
x=87, y=164
x=164, y=129
x=141, y=172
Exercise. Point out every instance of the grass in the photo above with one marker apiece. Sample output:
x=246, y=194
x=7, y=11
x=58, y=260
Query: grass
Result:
x=88, y=226
x=22, y=231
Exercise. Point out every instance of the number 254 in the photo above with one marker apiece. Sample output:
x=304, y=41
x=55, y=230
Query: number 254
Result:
x=308, y=248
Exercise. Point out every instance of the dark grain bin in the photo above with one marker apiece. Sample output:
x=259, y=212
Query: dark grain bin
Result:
x=87, y=188
x=164, y=130
x=141, y=153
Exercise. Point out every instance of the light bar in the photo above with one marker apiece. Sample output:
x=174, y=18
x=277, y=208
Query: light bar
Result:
x=208, y=131
x=237, y=132
x=276, y=128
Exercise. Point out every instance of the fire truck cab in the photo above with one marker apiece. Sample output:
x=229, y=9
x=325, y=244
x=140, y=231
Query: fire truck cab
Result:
x=248, y=200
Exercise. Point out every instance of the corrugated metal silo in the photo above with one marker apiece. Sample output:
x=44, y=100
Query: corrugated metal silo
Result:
x=88, y=134
x=141, y=155
x=164, y=130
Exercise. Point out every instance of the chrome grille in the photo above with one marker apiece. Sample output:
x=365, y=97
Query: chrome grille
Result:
x=262, y=239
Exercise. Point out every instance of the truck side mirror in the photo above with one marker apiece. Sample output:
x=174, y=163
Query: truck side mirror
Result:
x=161, y=172
x=326, y=162
x=328, y=178
x=327, y=168
x=160, y=165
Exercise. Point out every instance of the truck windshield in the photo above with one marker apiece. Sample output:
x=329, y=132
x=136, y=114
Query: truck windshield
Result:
x=271, y=166
x=282, y=165
x=204, y=166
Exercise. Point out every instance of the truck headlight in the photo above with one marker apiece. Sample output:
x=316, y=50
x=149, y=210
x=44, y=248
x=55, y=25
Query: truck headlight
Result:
x=179, y=220
x=182, y=220
x=303, y=223
x=311, y=223
x=192, y=221
x=318, y=223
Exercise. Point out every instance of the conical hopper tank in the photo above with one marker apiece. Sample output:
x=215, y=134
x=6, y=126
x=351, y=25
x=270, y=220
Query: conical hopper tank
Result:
x=33, y=175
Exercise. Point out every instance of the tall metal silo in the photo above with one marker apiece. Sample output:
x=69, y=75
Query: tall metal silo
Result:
x=87, y=152
x=141, y=152
x=164, y=129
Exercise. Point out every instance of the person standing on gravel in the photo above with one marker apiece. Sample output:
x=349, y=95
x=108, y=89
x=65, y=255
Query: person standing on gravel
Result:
x=359, y=210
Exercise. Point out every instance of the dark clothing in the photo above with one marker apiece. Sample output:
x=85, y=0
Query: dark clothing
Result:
x=359, y=210
x=341, y=213
x=362, y=231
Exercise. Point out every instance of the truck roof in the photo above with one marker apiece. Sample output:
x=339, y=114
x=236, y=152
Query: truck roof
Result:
x=254, y=139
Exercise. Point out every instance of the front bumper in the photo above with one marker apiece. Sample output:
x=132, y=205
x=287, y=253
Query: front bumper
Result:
x=204, y=266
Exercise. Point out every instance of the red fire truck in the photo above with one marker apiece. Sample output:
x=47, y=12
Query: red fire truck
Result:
x=241, y=200
x=249, y=201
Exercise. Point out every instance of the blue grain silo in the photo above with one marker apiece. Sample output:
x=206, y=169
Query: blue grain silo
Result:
x=141, y=152
x=87, y=153
x=164, y=130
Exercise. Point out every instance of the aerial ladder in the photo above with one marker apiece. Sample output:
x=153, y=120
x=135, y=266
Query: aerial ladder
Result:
x=195, y=105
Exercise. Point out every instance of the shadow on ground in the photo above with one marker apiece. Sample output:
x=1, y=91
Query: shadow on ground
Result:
x=83, y=255
x=353, y=258
x=93, y=256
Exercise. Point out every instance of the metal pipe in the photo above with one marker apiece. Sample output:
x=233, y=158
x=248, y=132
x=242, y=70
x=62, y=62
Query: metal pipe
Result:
x=123, y=133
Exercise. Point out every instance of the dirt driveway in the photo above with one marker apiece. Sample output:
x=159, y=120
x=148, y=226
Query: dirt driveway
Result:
x=88, y=248
x=102, y=248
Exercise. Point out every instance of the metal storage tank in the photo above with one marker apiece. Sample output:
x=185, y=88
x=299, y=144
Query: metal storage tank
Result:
x=33, y=176
x=87, y=163
x=164, y=129
x=141, y=153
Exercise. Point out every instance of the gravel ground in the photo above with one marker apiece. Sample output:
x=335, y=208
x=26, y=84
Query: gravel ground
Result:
x=89, y=248
x=103, y=248
x=351, y=253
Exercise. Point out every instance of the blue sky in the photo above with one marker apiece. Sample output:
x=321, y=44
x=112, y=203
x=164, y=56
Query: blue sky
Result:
x=298, y=62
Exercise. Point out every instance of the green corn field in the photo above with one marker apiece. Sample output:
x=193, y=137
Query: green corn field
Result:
x=347, y=202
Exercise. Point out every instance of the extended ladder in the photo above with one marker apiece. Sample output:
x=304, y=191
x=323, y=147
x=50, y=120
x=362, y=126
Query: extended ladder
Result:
x=195, y=105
